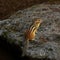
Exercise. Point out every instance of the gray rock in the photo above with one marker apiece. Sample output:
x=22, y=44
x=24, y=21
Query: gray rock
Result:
x=46, y=50
x=46, y=47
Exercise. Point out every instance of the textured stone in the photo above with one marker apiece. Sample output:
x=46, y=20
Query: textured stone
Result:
x=47, y=40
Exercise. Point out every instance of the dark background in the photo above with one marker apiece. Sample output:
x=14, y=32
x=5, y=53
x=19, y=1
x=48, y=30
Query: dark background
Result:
x=8, y=7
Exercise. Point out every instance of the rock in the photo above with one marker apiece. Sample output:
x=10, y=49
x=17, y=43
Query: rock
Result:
x=47, y=47
x=47, y=50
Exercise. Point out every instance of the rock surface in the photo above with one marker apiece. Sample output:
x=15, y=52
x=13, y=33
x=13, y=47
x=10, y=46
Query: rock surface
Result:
x=47, y=40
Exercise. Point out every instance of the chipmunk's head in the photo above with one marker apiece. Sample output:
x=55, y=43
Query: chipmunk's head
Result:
x=37, y=22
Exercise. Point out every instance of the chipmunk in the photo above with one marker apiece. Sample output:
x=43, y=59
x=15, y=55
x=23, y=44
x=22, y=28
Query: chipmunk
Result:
x=31, y=33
